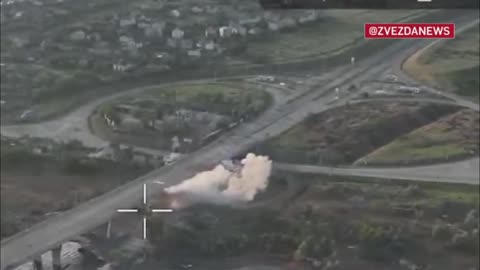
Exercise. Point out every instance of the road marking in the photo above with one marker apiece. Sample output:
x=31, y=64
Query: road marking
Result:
x=145, y=194
x=145, y=211
x=145, y=228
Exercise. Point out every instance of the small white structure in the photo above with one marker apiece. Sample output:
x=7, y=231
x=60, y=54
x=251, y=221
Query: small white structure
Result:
x=210, y=32
x=175, y=13
x=105, y=153
x=273, y=26
x=177, y=33
x=225, y=31
x=128, y=22
x=352, y=60
x=175, y=143
x=121, y=67
x=78, y=35
x=194, y=53
x=197, y=9
x=210, y=46
x=172, y=158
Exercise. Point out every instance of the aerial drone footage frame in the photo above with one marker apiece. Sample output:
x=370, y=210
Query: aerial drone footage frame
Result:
x=239, y=135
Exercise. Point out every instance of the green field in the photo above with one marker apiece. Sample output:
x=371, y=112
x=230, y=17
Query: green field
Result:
x=452, y=66
x=453, y=136
x=334, y=33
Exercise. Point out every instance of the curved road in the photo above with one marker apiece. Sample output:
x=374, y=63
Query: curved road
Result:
x=52, y=232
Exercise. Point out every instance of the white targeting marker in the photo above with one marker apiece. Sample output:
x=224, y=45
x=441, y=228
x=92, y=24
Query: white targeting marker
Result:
x=145, y=214
x=127, y=210
x=162, y=210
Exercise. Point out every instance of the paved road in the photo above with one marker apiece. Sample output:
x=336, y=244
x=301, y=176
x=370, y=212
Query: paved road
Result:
x=464, y=172
x=398, y=69
x=46, y=235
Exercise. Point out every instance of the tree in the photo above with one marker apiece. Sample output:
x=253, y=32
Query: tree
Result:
x=300, y=253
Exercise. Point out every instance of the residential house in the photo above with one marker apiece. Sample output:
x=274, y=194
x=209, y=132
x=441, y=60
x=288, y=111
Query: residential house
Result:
x=287, y=23
x=194, y=53
x=155, y=29
x=273, y=26
x=250, y=22
x=130, y=44
x=121, y=67
x=177, y=33
x=128, y=22
x=210, y=46
x=210, y=32
x=254, y=31
x=225, y=31
x=173, y=43
x=78, y=35
x=175, y=13
x=19, y=42
x=186, y=44
x=242, y=31
x=211, y=9
x=197, y=9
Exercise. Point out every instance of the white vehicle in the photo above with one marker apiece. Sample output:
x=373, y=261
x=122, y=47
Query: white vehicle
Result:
x=391, y=77
x=409, y=89
x=172, y=158
x=266, y=78
x=380, y=92
x=25, y=114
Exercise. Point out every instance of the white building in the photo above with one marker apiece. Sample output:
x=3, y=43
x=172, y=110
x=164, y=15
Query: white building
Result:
x=225, y=31
x=273, y=26
x=175, y=13
x=177, y=33
x=197, y=9
x=78, y=35
x=194, y=53
x=210, y=46
x=128, y=22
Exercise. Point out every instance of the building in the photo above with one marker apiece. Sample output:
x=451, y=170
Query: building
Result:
x=194, y=53
x=186, y=44
x=210, y=32
x=78, y=35
x=127, y=22
x=177, y=33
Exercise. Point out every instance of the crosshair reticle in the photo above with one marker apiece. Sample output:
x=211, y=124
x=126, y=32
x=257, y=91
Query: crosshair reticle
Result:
x=146, y=211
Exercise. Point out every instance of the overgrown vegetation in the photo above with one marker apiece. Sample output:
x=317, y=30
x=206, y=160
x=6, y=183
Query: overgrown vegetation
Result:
x=334, y=222
x=452, y=65
x=451, y=137
x=345, y=134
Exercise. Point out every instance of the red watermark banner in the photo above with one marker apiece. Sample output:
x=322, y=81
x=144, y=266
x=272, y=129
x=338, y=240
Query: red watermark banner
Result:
x=409, y=30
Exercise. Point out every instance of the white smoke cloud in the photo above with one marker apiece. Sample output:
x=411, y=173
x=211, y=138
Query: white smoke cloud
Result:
x=222, y=186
